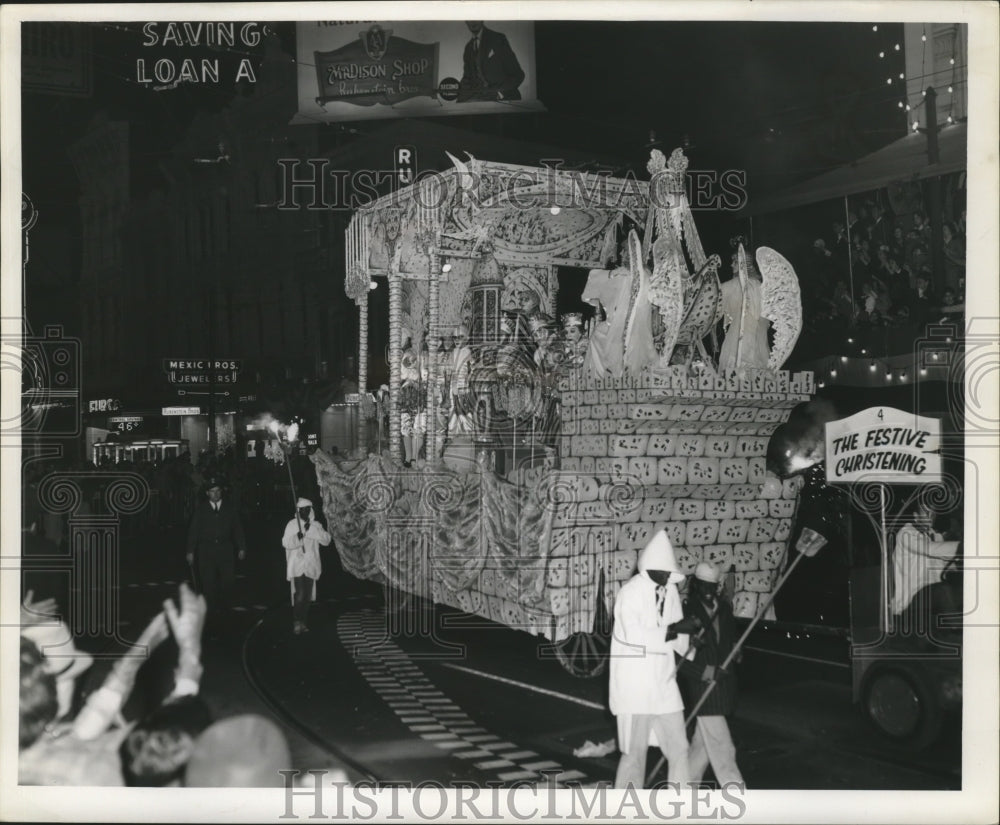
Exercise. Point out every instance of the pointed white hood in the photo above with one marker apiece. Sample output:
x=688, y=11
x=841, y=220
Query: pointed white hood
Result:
x=659, y=555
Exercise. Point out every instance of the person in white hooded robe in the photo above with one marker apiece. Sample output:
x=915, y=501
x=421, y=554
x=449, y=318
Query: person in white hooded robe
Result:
x=302, y=540
x=644, y=696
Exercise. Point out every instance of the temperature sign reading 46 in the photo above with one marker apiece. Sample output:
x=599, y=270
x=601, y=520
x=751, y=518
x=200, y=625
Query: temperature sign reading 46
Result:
x=125, y=423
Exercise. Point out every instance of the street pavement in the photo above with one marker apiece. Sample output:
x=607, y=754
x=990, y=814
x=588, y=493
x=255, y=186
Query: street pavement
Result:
x=455, y=698
x=477, y=702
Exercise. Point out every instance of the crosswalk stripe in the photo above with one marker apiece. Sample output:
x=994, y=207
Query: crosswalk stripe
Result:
x=476, y=754
x=494, y=763
x=510, y=777
x=429, y=712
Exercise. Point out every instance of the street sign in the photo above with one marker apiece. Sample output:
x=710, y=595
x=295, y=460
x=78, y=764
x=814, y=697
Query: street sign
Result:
x=883, y=445
x=405, y=160
x=182, y=410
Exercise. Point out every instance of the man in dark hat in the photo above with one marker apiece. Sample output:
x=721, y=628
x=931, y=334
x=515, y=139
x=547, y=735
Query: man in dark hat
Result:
x=215, y=529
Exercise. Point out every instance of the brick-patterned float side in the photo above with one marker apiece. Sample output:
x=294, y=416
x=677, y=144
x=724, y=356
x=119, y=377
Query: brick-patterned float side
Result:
x=682, y=454
x=670, y=452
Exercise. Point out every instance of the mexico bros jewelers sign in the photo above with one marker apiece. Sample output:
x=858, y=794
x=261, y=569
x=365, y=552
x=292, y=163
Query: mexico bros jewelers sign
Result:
x=377, y=68
x=200, y=371
x=884, y=445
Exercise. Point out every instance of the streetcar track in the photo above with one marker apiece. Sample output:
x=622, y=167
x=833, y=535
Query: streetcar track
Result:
x=280, y=712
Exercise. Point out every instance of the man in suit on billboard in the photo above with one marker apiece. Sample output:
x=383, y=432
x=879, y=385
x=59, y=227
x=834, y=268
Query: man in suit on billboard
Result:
x=491, y=70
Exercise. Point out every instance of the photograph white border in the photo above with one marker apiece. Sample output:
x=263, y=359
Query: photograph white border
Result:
x=977, y=802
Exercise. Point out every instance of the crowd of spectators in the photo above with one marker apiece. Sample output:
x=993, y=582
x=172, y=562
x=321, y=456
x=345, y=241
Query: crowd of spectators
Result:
x=174, y=482
x=141, y=721
x=104, y=739
x=887, y=261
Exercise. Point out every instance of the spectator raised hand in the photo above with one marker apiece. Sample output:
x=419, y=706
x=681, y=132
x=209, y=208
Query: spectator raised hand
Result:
x=187, y=625
x=33, y=613
x=104, y=704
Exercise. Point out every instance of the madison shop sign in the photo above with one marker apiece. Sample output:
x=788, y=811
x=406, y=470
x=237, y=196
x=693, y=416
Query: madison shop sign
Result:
x=377, y=68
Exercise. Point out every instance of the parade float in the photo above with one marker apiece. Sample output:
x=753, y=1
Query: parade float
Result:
x=528, y=458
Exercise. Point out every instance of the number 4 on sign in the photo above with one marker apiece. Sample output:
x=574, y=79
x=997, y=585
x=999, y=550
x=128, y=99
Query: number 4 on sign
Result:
x=881, y=415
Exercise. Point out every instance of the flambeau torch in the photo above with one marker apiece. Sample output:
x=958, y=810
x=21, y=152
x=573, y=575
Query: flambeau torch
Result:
x=291, y=436
x=809, y=544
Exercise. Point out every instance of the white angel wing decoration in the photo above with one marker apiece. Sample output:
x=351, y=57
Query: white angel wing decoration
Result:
x=781, y=303
x=638, y=348
x=667, y=293
x=466, y=180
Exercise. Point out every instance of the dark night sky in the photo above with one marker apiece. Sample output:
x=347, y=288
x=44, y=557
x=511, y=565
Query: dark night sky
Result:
x=782, y=100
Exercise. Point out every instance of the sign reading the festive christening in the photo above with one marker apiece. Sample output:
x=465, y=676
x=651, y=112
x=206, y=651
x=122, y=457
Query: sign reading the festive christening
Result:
x=884, y=445
x=367, y=69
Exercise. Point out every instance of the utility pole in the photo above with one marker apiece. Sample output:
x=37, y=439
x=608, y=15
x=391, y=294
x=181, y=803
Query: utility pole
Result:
x=934, y=192
x=212, y=435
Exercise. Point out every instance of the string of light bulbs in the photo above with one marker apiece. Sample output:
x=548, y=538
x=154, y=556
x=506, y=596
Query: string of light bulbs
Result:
x=863, y=369
x=905, y=102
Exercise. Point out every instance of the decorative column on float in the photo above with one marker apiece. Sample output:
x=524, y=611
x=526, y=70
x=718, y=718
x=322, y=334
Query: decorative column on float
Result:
x=362, y=371
x=430, y=199
x=395, y=328
x=433, y=345
x=357, y=283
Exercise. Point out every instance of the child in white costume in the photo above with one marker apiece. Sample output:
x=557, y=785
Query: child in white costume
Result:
x=302, y=540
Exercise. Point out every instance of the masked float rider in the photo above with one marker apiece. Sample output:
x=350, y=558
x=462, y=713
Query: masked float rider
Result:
x=644, y=695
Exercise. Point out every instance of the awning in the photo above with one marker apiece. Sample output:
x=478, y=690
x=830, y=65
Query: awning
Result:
x=902, y=160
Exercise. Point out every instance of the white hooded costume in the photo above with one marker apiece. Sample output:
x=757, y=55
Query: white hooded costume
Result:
x=302, y=555
x=643, y=676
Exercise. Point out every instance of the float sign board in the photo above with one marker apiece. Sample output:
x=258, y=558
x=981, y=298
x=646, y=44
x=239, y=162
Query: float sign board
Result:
x=883, y=445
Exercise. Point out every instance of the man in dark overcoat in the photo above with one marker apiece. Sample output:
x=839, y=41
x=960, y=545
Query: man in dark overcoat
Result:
x=712, y=643
x=214, y=534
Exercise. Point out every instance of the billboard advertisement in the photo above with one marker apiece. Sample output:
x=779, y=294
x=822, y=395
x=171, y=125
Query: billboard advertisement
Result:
x=368, y=70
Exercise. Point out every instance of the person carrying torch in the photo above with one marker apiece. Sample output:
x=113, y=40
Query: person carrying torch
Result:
x=302, y=539
x=712, y=643
x=808, y=545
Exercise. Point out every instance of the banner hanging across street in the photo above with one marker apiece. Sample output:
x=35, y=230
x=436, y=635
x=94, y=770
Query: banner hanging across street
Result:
x=418, y=68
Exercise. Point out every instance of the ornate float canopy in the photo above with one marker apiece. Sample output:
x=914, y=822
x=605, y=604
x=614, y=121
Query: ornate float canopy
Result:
x=523, y=215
